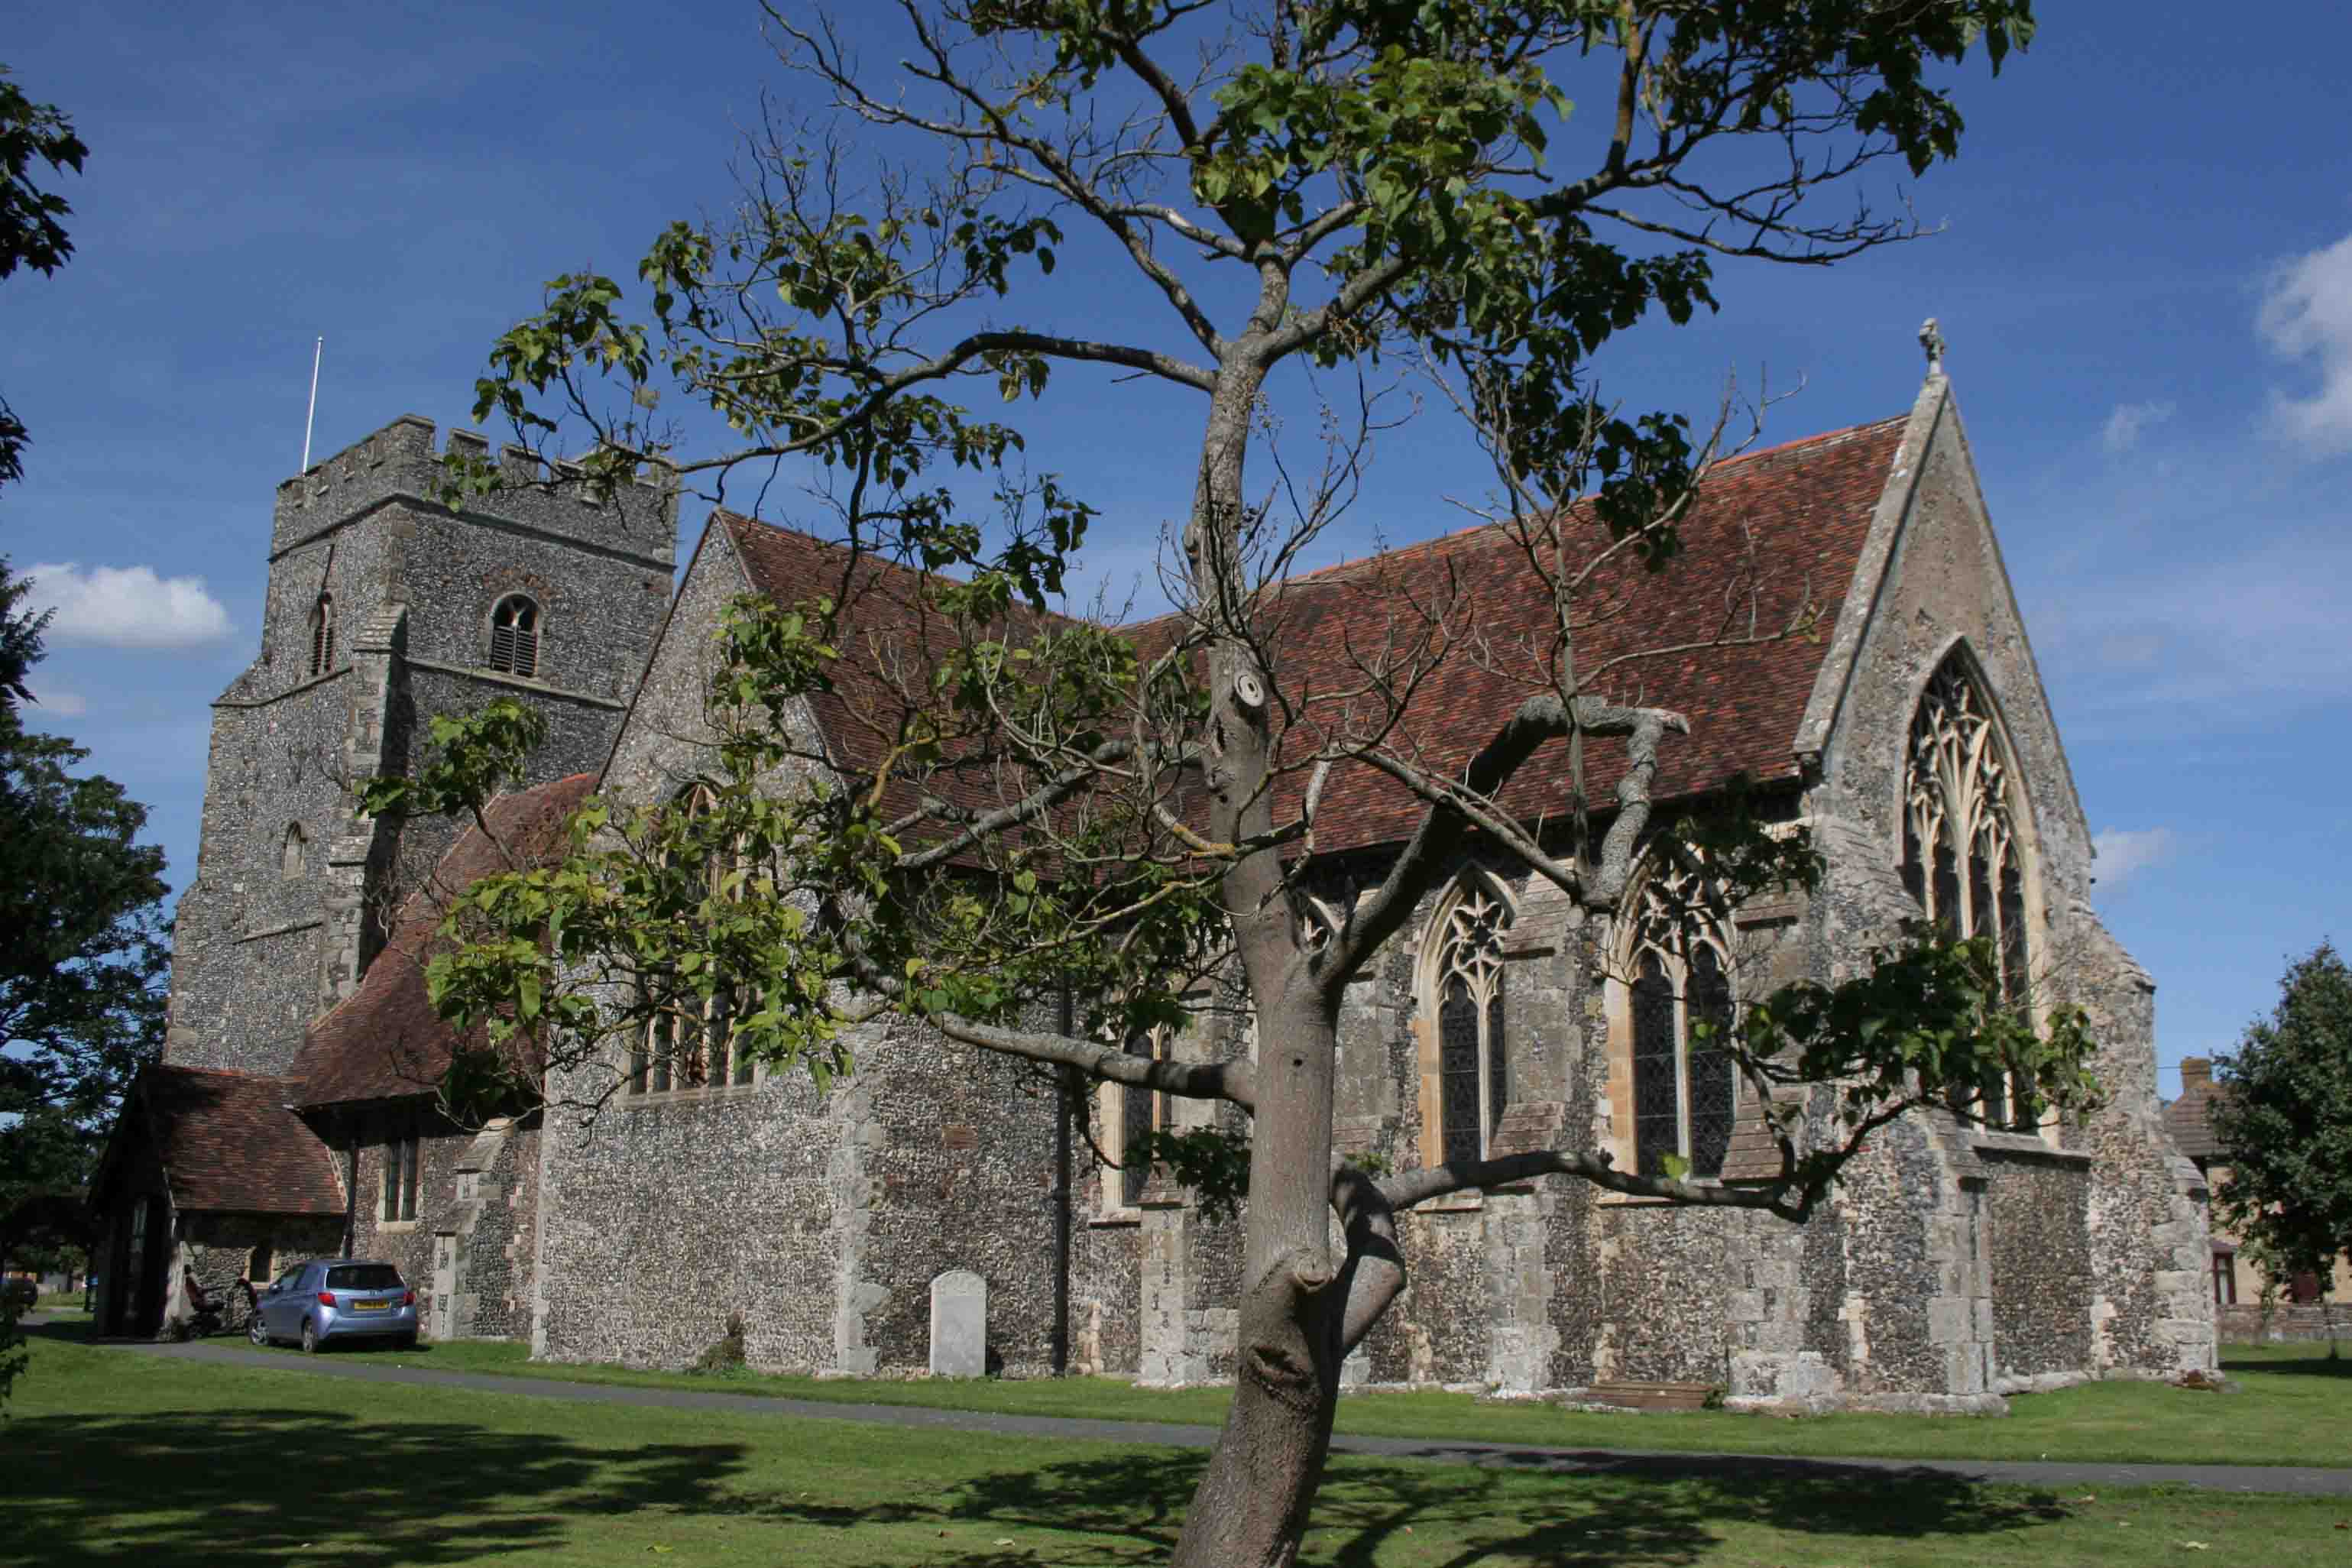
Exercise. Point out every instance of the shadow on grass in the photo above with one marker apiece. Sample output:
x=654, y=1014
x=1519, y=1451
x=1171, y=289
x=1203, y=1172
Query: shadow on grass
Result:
x=1497, y=1513
x=2318, y=1364
x=246, y=1485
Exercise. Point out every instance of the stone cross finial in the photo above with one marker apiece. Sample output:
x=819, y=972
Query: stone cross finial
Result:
x=1931, y=338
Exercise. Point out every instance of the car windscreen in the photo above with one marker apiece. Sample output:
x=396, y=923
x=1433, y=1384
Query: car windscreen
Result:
x=364, y=1277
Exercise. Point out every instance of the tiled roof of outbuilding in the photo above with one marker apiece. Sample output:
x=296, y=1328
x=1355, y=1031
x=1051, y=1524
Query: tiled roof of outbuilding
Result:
x=228, y=1142
x=1773, y=531
x=2189, y=1119
x=384, y=1041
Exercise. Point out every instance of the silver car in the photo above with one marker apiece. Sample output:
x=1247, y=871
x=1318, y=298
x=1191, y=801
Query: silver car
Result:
x=336, y=1299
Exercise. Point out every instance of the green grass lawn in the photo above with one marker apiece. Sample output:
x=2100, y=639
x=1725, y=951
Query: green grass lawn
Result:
x=118, y=1458
x=2292, y=1407
x=60, y=1301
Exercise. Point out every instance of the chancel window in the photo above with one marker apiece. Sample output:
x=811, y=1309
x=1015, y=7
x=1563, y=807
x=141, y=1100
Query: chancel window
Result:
x=294, y=858
x=514, y=636
x=322, y=634
x=1962, y=857
x=1686, y=1085
x=689, y=1041
x=1473, y=1070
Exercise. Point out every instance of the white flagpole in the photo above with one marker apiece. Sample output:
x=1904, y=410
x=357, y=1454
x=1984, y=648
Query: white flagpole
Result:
x=307, y=419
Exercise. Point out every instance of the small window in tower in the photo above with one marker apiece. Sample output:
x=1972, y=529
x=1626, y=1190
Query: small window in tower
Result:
x=296, y=859
x=322, y=634
x=514, y=636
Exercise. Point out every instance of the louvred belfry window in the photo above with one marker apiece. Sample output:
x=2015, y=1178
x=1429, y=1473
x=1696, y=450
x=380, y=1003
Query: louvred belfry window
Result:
x=1686, y=1084
x=514, y=636
x=1962, y=857
x=1474, y=1077
x=322, y=634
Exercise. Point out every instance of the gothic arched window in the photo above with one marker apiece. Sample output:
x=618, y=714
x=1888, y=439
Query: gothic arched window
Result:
x=1962, y=856
x=1465, y=991
x=514, y=636
x=294, y=858
x=689, y=1043
x=322, y=634
x=1685, y=1084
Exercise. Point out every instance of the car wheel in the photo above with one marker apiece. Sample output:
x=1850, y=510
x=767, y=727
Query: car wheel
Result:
x=255, y=1330
x=310, y=1336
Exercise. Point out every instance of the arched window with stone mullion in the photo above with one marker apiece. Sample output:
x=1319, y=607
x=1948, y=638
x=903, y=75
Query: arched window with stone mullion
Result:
x=689, y=1044
x=1684, y=1088
x=1474, y=1074
x=1962, y=854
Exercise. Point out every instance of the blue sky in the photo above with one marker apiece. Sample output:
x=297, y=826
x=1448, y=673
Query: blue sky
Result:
x=2145, y=276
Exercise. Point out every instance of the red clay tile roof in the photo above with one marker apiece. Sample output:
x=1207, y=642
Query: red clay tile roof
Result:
x=1771, y=531
x=384, y=1041
x=2188, y=1117
x=228, y=1142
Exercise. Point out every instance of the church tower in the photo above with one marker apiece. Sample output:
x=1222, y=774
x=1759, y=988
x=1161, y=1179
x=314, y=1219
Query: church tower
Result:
x=386, y=607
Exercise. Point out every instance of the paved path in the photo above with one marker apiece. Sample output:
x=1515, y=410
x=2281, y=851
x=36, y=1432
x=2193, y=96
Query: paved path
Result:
x=1585, y=1461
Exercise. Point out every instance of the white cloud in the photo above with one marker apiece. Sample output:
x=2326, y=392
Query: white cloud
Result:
x=2123, y=426
x=2125, y=851
x=127, y=606
x=2306, y=312
x=57, y=702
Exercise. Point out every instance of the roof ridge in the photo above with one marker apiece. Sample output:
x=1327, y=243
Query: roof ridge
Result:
x=1782, y=452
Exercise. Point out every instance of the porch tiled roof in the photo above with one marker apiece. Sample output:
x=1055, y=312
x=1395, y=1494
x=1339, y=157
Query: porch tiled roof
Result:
x=229, y=1141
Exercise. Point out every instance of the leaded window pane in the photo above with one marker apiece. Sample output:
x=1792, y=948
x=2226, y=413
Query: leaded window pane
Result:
x=1498, y=1058
x=1947, y=910
x=1457, y=1034
x=1714, y=1089
x=1135, y=1128
x=2013, y=936
x=1656, y=1115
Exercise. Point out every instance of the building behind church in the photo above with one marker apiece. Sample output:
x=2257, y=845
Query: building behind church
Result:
x=295, y=1111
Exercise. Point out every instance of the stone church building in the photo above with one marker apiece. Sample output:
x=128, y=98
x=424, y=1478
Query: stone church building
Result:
x=294, y=1112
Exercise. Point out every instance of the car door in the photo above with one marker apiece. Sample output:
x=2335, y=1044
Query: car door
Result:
x=276, y=1318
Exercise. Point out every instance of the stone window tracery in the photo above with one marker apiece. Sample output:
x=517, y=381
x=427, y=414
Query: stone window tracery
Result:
x=1686, y=1087
x=514, y=636
x=1962, y=857
x=1464, y=989
x=690, y=1044
x=294, y=859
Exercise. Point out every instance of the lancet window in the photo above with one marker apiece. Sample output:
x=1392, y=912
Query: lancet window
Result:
x=1962, y=856
x=1685, y=1085
x=1473, y=1071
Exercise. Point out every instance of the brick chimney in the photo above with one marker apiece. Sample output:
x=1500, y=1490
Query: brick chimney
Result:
x=2195, y=1071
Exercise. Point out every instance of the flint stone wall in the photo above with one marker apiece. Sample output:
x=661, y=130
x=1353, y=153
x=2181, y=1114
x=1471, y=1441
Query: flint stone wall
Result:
x=258, y=952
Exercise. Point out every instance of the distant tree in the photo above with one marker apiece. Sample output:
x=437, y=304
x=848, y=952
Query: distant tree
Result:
x=1274, y=188
x=2284, y=1121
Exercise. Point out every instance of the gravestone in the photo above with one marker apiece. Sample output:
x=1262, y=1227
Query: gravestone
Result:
x=959, y=1324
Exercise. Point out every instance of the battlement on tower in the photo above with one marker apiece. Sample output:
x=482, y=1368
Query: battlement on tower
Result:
x=639, y=518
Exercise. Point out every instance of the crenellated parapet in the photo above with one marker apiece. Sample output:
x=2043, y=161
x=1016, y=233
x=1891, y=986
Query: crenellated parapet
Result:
x=401, y=462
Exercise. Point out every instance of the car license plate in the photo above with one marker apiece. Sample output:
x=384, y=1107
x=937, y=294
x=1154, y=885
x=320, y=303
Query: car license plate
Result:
x=369, y=1306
